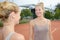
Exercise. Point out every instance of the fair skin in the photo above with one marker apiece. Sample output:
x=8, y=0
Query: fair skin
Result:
x=12, y=20
x=40, y=20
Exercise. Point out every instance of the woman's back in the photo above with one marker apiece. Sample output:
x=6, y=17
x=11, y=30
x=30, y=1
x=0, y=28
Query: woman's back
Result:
x=16, y=36
x=9, y=36
x=12, y=36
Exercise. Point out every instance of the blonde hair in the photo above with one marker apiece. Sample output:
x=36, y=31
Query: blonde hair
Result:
x=41, y=4
x=6, y=8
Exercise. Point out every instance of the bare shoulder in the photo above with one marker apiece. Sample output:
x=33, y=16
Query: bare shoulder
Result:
x=32, y=22
x=18, y=36
x=49, y=21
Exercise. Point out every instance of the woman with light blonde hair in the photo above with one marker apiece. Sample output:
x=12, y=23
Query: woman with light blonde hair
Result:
x=40, y=26
x=10, y=15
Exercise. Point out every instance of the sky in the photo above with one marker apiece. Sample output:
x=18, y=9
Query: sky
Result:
x=47, y=3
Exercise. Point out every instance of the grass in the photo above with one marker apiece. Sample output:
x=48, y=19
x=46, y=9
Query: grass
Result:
x=24, y=21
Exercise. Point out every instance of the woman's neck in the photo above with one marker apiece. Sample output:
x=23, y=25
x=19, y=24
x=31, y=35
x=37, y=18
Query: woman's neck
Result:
x=8, y=28
x=40, y=18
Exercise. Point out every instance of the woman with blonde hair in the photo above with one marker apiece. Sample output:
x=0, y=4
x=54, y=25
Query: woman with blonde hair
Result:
x=40, y=26
x=10, y=15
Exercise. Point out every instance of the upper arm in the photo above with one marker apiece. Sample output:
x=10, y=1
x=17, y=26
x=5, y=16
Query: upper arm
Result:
x=50, y=25
x=31, y=25
x=31, y=29
x=50, y=32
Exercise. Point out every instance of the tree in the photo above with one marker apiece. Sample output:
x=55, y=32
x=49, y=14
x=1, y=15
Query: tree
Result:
x=57, y=12
x=58, y=6
x=48, y=15
x=33, y=11
x=25, y=13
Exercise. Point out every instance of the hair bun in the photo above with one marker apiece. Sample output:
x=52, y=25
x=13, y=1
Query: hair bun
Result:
x=6, y=8
x=41, y=4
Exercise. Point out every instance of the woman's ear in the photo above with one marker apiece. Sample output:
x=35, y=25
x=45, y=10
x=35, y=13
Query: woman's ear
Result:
x=12, y=15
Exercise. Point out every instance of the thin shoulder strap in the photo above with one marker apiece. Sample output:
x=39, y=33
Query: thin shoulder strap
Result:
x=9, y=36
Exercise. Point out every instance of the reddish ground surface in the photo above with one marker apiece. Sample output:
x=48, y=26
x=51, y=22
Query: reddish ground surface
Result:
x=25, y=30
x=56, y=34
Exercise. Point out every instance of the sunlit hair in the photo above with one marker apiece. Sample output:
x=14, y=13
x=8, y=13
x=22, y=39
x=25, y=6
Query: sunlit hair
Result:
x=41, y=4
x=6, y=8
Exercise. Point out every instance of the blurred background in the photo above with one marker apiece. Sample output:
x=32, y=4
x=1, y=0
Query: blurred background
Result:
x=52, y=12
x=52, y=9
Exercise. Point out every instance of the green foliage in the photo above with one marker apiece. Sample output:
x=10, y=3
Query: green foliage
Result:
x=24, y=21
x=25, y=13
x=48, y=15
x=57, y=12
x=53, y=15
x=58, y=6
